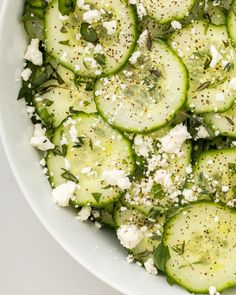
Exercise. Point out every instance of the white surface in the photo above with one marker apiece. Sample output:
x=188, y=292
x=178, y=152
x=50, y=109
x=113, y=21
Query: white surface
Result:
x=31, y=261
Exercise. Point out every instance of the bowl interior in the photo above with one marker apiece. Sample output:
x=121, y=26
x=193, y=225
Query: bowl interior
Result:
x=96, y=250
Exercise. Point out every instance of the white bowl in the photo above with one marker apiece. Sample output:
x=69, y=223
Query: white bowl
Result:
x=97, y=250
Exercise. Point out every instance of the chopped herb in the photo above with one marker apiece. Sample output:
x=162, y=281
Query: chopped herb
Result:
x=66, y=42
x=69, y=176
x=63, y=29
x=161, y=256
x=158, y=191
x=88, y=33
x=179, y=249
x=72, y=111
x=231, y=122
x=229, y=67
x=66, y=6
x=79, y=143
x=60, y=152
x=100, y=59
x=91, y=144
x=141, y=255
x=86, y=103
x=48, y=102
x=97, y=196
x=204, y=86
x=232, y=168
x=207, y=63
x=98, y=131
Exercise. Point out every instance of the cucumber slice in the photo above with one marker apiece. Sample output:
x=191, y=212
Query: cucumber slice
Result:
x=86, y=146
x=210, y=59
x=145, y=194
x=151, y=231
x=214, y=175
x=146, y=95
x=62, y=100
x=92, y=46
x=216, y=14
x=223, y=123
x=201, y=240
x=166, y=10
x=231, y=22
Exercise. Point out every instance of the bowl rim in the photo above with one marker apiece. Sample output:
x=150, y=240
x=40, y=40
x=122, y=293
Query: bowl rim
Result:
x=56, y=236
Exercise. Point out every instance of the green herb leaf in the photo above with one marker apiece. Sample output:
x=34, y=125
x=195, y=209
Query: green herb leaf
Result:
x=149, y=42
x=204, y=86
x=88, y=33
x=161, y=256
x=231, y=122
x=158, y=191
x=97, y=196
x=48, y=102
x=232, y=168
x=72, y=111
x=98, y=131
x=79, y=143
x=69, y=176
x=179, y=249
x=60, y=152
x=229, y=67
x=100, y=59
x=66, y=42
x=66, y=6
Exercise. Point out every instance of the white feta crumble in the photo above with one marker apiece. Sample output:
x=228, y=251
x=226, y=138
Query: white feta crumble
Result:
x=117, y=178
x=33, y=53
x=232, y=83
x=97, y=225
x=86, y=170
x=176, y=25
x=67, y=164
x=111, y=27
x=143, y=38
x=26, y=73
x=130, y=258
x=163, y=177
x=84, y=213
x=189, y=195
x=40, y=140
x=63, y=193
x=225, y=188
x=73, y=133
x=216, y=56
x=150, y=268
x=189, y=169
x=202, y=132
x=134, y=57
x=30, y=111
x=42, y=162
x=129, y=235
x=213, y=291
x=172, y=142
x=91, y=16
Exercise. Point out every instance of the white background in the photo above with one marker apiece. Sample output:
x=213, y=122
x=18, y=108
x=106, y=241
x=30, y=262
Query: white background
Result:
x=31, y=262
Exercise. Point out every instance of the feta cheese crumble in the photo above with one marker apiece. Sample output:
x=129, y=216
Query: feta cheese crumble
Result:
x=129, y=235
x=40, y=140
x=117, y=178
x=216, y=56
x=134, y=57
x=33, y=53
x=84, y=213
x=111, y=27
x=150, y=268
x=202, y=132
x=91, y=16
x=26, y=73
x=176, y=25
x=63, y=193
x=213, y=291
x=172, y=142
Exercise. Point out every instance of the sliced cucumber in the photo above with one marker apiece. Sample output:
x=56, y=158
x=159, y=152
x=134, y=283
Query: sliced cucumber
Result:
x=214, y=175
x=146, y=194
x=216, y=13
x=62, y=100
x=166, y=10
x=223, y=123
x=86, y=146
x=151, y=231
x=201, y=240
x=231, y=22
x=146, y=95
x=210, y=60
x=88, y=45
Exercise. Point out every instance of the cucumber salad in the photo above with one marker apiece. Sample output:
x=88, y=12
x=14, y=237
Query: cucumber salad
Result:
x=134, y=115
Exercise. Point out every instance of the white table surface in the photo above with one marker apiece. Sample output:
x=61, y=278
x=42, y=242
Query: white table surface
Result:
x=31, y=262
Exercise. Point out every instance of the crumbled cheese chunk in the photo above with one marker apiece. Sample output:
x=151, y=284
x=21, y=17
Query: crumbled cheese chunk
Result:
x=142, y=41
x=202, y=132
x=189, y=169
x=84, y=213
x=150, y=268
x=111, y=27
x=216, y=56
x=176, y=25
x=30, y=111
x=129, y=235
x=189, y=195
x=117, y=178
x=91, y=16
x=63, y=193
x=134, y=57
x=97, y=225
x=233, y=83
x=225, y=188
x=172, y=142
x=26, y=73
x=86, y=170
x=213, y=291
x=163, y=177
x=33, y=53
x=40, y=140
